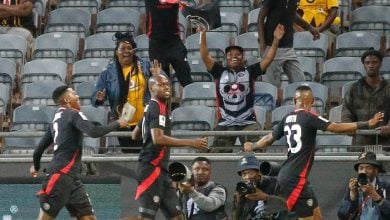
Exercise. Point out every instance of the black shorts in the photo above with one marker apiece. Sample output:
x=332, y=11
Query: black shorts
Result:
x=59, y=190
x=159, y=194
x=299, y=196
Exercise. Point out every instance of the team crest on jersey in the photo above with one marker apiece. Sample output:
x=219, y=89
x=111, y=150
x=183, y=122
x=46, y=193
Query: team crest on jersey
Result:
x=46, y=206
x=161, y=120
x=156, y=199
x=83, y=116
x=309, y=202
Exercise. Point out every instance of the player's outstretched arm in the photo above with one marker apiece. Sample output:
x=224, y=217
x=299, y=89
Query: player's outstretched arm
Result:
x=159, y=138
x=353, y=126
x=261, y=144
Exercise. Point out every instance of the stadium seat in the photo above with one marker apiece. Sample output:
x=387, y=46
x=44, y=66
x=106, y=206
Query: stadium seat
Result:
x=88, y=69
x=252, y=20
x=320, y=93
x=85, y=90
x=40, y=93
x=44, y=69
x=241, y=6
x=196, y=64
x=216, y=43
x=7, y=72
x=136, y=4
x=328, y=143
x=230, y=24
x=355, y=43
x=193, y=118
x=142, y=50
x=335, y=113
x=385, y=68
x=99, y=45
x=387, y=53
x=246, y=41
x=261, y=116
x=279, y=113
x=371, y=18
x=266, y=95
x=59, y=45
x=118, y=19
x=4, y=98
x=13, y=47
x=92, y=6
x=97, y=116
x=199, y=93
x=305, y=46
x=378, y=2
x=309, y=67
x=183, y=25
x=338, y=71
x=72, y=20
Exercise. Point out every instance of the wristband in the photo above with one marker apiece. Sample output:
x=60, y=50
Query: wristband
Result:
x=254, y=146
x=362, y=125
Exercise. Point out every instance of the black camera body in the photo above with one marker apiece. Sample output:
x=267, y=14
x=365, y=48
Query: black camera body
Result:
x=244, y=188
x=362, y=179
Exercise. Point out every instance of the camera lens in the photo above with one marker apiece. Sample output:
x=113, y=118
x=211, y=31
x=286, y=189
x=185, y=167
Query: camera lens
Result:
x=362, y=179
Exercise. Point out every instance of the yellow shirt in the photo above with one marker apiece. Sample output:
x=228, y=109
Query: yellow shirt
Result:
x=135, y=96
x=316, y=10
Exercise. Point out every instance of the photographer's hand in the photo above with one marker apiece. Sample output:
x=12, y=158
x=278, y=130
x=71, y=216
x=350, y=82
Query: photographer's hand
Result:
x=369, y=190
x=353, y=188
x=258, y=195
x=185, y=187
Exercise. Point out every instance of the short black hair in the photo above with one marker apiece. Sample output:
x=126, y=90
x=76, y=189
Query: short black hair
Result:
x=58, y=93
x=125, y=36
x=372, y=52
x=303, y=87
x=200, y=159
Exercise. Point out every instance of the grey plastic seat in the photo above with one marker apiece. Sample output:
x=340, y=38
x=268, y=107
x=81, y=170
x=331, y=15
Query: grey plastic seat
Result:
x=305, y=46
x=320, y=93
x=40, y=93
x=355, y=43
x=142, y=50
x=333, y=143
x=385, y=68
x=88, y=69
x=230, y=24
x=193, y=118
x=248, y=41
x=90, y=5
x=199, y=93
x=261, y=116
x=252, y=20
x=44, y=69
x=241, y=6
x=7, y=71
x=72, y=20
x=279, y=112
x=85, y=90
x=97, y=116
x=118, y=19
x=388, y=45
x=309, y=67
x=335, y=113
x=216, y=43
x=58, y=45
x=371, y=18
x=183, y=25
x=136, y=4
x=378, y=2
x=4, y=97
x=13, y=47
x=265, y=95
x=338, y=71
x=99, y=45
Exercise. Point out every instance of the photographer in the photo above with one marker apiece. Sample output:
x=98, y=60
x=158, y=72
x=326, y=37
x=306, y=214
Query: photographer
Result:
x=368, y=195
x=203, y=199
x=253, y=197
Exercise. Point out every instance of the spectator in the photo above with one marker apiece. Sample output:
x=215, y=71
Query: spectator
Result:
x=368, y=195
x=165, y=45
x=124, y=81
x=61, y=185
x=154, y=190
x=272, y=13
x=257, y=205
x=300, y=128
x=235, y=87
x=16, y=17
x=203, y=199
x=367, y=96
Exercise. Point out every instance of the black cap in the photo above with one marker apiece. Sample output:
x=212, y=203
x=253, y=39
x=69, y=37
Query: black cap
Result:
x=227, y=49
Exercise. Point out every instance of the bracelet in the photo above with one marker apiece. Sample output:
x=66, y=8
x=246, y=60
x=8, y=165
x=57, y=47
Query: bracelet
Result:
x=254, y=146
x=362, y=125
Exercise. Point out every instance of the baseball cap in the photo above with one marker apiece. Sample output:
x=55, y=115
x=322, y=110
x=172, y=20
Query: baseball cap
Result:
x=227, y=49
x=248, y=162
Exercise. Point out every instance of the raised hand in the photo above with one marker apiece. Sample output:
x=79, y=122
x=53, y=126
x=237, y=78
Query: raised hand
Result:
x=279, y=32
x=101, y=95
x=33, y=172
x=156, y=68
x=248, y=147
x=200, y=143
x=123, y=123
x=378, y=117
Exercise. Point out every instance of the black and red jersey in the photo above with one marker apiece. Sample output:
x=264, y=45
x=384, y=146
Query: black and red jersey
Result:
x=162, y=20
x=156, y=116
x=66, y=134
x=300, y=128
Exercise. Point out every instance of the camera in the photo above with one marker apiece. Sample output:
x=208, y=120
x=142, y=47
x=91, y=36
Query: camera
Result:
x=270, y=168
x=179, y=172
x=244, y=188
x=362, y=179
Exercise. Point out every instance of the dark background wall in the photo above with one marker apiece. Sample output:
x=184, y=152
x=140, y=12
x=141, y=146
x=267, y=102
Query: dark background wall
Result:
x=112, y=190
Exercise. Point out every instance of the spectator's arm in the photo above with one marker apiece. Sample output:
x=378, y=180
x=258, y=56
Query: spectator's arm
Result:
x=22, y=9
x=213, y=201
x=314, y=31
x=329, y=20
x=204, y=52
x=270, y=55
x=260, y=28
